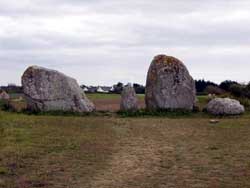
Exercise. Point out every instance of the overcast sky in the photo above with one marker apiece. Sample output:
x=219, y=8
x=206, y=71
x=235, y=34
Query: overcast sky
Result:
x=101, y=42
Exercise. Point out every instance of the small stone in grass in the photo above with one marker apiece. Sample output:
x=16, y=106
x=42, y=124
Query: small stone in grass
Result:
x=214, y=121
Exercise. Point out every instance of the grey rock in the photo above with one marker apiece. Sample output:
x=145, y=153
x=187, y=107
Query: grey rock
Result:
x=214, y=121
x=129, y=101
x=169, y=85
x=50, y=90
x=4, y=96
x=225, y=106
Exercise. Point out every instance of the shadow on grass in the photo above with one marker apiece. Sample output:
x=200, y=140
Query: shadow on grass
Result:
x=68, y=113
x=168, y=113
x=158, y=113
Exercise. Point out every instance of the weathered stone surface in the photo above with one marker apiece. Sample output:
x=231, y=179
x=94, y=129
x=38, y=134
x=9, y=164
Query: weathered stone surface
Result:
x=169, y=85
x=129, y=101
x=4, y=96
x=225, y=106
x=50, y=90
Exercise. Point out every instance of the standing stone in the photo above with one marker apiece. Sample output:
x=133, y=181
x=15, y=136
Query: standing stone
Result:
x=4, y=96
x=225, y=106
x=169, y=85
x=50, y=90
x=129, y=101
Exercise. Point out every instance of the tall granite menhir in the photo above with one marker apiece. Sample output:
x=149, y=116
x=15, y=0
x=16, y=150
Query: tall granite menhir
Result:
x=169, y=85
x=50, y=90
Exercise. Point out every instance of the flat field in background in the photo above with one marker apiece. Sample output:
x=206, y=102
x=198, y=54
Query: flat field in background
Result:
x=111, y=102
x=114, y=152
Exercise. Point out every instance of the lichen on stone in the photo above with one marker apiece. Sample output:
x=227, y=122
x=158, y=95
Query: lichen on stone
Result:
x=169, y=84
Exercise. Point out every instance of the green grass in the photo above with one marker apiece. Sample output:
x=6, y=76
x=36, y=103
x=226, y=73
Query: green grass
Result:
x=145, y=149
x=93, y=96
x=202, y=101
x=40, y=148
x=2, y=104
x=70, y=151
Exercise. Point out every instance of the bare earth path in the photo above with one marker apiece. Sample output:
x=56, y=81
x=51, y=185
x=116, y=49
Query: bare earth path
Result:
x=137, y=157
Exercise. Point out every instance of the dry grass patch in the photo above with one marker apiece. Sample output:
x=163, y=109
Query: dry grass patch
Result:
x=108, y=152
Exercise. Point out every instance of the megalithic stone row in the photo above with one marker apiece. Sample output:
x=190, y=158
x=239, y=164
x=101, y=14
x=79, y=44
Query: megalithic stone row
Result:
x=129, y=101
x=50, y=90
x=169, y=85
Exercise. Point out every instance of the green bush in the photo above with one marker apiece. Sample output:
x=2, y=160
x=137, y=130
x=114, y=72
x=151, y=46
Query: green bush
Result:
x=214, y=90
x=238, y=90
x=245, y=102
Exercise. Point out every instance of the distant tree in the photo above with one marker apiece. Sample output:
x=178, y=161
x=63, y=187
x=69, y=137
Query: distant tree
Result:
x=247, y=91
x=139, y=89
x=118, y=88
x=226, y=85
x=201, y=85
x=83, y=86
x=238, y=90
x=211, y=89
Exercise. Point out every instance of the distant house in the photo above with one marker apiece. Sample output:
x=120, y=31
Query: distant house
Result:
x=100, y=90
x=96, y=89
x=103, y=89
x=112, y=89
x=4, y=95
x=85, y=89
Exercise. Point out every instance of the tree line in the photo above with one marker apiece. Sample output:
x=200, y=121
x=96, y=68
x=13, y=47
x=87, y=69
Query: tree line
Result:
x=203, y=87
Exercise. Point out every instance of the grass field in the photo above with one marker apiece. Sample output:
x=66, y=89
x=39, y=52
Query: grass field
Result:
x=114, y=152
x=95, y=96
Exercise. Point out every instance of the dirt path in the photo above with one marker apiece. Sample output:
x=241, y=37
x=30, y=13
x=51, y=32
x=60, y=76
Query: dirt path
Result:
x=137, y=158
x=112, y=104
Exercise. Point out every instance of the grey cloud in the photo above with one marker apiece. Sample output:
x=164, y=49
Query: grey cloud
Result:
x=117, y=39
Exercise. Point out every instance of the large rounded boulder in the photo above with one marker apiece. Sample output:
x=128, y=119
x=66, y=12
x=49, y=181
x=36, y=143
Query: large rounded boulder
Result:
x=225, y=106
x=129, y=101
x=169, y=85
x=50, y=90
